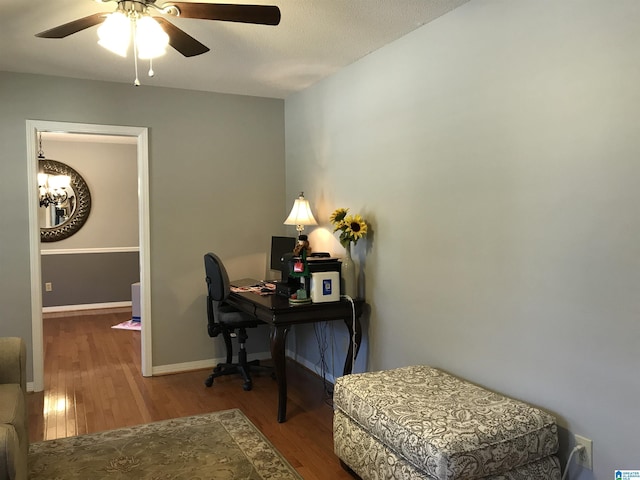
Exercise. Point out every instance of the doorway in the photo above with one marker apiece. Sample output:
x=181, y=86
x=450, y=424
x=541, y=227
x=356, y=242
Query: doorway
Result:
x=141, y=136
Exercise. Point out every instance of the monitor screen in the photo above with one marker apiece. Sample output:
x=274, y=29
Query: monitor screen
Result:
x=280, y=246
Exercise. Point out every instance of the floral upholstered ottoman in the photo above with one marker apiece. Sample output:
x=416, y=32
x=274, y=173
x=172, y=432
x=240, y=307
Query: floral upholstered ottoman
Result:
x=419, y=422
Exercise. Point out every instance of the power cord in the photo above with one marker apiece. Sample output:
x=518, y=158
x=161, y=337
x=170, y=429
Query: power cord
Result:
x=321, y=339
x=577, y=448
x=353, y=331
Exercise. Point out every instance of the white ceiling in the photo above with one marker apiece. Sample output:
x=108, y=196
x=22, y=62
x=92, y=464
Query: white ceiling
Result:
x=315, y=38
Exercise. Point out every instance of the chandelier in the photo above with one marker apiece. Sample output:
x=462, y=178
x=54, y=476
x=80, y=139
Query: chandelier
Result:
x=132, y=23
x=52, y=189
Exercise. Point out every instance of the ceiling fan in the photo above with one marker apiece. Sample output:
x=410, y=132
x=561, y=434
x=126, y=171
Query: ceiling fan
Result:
x=178, y=39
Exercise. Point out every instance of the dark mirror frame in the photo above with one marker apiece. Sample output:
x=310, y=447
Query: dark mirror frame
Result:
x=83, y=202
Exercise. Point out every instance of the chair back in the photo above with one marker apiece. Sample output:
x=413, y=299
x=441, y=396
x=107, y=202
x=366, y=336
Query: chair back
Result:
x=218, y=287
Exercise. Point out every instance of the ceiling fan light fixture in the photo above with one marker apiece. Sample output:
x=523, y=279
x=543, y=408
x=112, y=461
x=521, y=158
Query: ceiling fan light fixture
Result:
x=151, y=39
x=115, y=32
x=131, y=22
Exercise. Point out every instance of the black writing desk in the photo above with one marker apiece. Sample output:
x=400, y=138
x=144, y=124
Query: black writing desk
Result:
x=280, y=316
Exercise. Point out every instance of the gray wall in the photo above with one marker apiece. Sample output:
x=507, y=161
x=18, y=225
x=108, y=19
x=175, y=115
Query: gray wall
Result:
x=89, y=278
x=496, y=154
x=216, y=179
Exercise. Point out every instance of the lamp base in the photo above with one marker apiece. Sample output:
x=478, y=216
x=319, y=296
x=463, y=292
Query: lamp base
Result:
x=303, y=301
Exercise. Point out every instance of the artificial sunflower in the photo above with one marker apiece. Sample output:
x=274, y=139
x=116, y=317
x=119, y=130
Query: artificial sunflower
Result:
x=352, y=227
x=356, y=227
x=337, y=217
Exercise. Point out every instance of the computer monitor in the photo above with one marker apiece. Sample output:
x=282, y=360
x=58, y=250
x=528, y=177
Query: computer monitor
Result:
x=280, y=246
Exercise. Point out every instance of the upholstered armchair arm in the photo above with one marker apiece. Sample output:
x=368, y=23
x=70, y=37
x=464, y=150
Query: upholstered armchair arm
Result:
x=13, y=361
x=9, y=451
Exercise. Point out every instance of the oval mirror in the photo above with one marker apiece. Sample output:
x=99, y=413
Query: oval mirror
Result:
x=65, y=201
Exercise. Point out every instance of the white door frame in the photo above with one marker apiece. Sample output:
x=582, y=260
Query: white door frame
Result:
x=142, y=136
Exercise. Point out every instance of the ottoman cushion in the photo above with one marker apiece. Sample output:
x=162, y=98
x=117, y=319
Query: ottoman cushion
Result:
x=444, y=426
x=371, y=459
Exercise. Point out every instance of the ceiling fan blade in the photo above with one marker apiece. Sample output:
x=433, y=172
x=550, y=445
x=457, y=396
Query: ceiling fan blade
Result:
x=260, y=14
x=182, y=41
x=62, y=31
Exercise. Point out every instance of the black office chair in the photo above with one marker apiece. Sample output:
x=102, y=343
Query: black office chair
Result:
x=224, y=319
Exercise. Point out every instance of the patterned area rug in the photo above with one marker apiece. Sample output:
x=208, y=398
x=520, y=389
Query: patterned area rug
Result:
x=216, y=446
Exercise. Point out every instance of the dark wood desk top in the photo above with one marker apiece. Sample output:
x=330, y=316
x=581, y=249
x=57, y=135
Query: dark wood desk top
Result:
x=276, y=310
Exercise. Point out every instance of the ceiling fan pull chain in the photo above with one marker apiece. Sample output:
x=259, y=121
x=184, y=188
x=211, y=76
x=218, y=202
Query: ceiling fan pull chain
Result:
x=136, y=82
x=151, y=72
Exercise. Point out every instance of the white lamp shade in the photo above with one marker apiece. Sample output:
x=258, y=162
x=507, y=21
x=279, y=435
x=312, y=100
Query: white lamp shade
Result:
x=114, y=33
x=301, y=213
x=151, y=39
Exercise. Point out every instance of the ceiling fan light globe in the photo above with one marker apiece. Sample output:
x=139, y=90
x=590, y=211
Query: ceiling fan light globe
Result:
x=151, y=39
x=114, y=33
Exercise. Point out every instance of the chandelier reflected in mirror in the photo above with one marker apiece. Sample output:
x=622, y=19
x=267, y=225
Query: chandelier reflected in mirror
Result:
x=52, y=189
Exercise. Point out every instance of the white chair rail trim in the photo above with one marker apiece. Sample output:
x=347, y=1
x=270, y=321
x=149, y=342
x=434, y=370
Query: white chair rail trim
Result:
x=69, y=251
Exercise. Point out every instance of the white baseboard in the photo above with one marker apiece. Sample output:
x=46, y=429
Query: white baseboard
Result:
x=201, y=364
x=87, y=306
x=311, y=366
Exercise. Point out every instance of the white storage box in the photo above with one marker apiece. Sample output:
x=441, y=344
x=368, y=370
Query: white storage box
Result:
x=135, y=302
x=325, y=287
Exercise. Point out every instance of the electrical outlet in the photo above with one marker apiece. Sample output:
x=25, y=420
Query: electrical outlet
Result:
x=48, y=287
x=584, y=457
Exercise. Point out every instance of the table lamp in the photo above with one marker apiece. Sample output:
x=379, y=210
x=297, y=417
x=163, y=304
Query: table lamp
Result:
x=300, y=214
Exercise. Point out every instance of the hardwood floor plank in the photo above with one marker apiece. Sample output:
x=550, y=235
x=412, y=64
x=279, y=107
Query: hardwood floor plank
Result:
x=93, y=382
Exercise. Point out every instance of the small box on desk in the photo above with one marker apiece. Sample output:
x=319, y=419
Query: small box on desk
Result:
x=317, y=264
x=324, y=264
x=325, y=287
x=286, y=289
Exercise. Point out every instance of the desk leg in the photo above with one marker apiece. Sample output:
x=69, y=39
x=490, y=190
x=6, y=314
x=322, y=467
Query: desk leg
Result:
x=278, y=337
x=348, y=364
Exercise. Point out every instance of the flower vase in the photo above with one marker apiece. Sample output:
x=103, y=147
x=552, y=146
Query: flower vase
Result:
x=349, y=285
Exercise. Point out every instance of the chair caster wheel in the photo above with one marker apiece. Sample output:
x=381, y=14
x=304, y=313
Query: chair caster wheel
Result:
x=208, y=382
x=247, y=386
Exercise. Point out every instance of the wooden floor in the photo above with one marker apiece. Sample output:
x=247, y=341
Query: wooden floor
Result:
x=93, y=383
